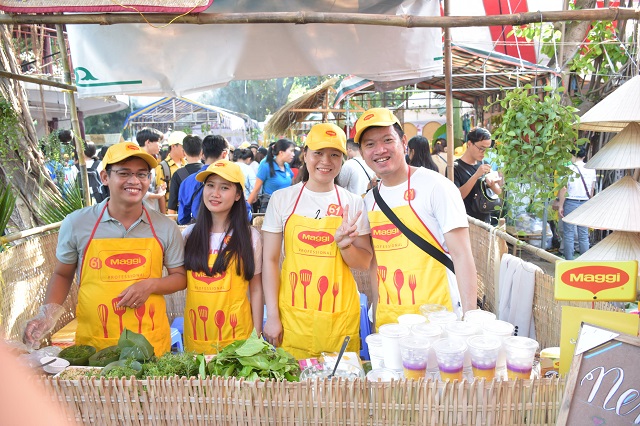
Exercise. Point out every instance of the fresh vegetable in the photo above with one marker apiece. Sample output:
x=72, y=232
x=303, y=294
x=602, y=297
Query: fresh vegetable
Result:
x=134, y=346
x=123, y=368
x=78, y=354
x=254, y=359
x=169, y=365
x=76, y=373
x=105, y=356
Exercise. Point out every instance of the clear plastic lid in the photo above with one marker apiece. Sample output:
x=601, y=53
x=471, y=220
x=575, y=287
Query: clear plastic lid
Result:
x=442, y=317
x=427, y=329
x=484, y=342
x=393, y=330
x=374, y=339
x=498, y=327
x=415, y=342
x=461, y=328
x=447, y=345
x=411, y=319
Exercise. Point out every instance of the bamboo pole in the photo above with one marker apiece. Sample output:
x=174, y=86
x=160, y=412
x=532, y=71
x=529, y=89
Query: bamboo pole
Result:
x=41, y=81
x=300, y=18
x=448, y=91
x=75, y=123
x=5, y=239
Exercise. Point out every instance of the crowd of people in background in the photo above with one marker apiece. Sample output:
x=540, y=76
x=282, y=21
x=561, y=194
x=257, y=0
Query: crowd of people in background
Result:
x=389, y=208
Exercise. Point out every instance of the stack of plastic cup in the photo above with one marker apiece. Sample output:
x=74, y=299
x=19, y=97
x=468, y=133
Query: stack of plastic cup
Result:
x=431, y=332
x=382, y=375
x=442, y=318
x=391, y=335
x=450, y=355
x=427, y=308
x=376, y=351
x=501, y=329
x=484, y=355
x=478, y=316
x=460, y=330
x=520, y=353
x=411, y=319
x=414, y=352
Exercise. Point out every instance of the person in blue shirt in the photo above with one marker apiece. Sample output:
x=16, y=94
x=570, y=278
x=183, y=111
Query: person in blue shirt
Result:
x=274, y=173
x=214, y=148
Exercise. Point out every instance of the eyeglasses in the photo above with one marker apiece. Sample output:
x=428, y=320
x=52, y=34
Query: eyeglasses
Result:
x=126, y=174
x=481, y=149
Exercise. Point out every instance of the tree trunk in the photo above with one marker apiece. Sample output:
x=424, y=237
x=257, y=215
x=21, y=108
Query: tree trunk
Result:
x=21, y=162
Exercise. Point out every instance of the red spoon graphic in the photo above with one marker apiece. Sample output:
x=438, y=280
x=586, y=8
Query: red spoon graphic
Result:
x=335, y=290
x=152, y=312
x=398, y=281
x=119, y=311
x=139, y=311
x=218, y=318
x=323, y=286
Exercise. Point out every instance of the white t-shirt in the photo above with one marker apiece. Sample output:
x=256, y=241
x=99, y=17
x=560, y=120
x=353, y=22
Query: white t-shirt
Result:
x=216, y=238
x=311, y=204
x=250, y=178
x=353, y=178
x=575, y=187
x=437, y=202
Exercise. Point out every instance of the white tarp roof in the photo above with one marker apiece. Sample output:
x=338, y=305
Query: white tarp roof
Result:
x=138, y=59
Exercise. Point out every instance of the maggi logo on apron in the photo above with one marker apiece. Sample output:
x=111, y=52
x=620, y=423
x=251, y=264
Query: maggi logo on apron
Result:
x=118, y=266
x=314, y=243
x=209, y=283
x=387, y=237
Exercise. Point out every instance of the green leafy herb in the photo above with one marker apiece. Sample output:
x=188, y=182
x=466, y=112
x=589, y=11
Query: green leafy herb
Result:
x=170, y=364
x=134, y=346
x=123, y=368
x=105, y=356
x=254, y=359
x=77, y=354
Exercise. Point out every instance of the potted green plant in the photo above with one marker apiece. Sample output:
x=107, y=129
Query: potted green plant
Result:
x=535, y=136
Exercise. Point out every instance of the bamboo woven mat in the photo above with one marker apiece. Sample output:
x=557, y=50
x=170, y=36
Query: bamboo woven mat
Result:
x=219, y=401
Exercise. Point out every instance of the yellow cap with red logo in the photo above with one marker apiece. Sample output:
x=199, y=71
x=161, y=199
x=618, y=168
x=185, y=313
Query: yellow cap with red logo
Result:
x=225, y=169
x=326, y=135
x=123, y=150
x=379, y=117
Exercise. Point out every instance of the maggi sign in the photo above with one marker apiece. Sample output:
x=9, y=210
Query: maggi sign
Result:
x=612, y=281
x=315, y=238
x=385, y=232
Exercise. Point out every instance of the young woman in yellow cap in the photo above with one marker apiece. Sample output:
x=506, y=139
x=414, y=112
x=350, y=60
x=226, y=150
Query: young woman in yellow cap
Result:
x=223, y=258
x=312, y=301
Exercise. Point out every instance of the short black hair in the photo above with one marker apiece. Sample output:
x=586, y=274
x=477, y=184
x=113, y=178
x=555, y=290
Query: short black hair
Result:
x=479, y=134
x=192, y=145
x=214, y=145
x=148, y=134
x=90, y=150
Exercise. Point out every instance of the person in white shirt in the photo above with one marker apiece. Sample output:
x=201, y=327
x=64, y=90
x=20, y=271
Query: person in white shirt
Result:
x=355, y=175
x=577, y=192
x=244, y=158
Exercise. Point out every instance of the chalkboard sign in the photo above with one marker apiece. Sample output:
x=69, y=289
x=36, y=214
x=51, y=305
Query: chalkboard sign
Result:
x=603, y=385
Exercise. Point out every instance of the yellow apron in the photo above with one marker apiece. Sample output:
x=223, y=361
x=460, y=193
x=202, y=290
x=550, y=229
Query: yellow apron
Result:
x=318, y=300
x=407, y=276
x=217, y=310
x=107, y=269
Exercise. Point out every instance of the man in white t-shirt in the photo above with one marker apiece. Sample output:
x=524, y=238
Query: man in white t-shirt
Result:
x=429, y=205
x=577, y=192
x=355, y=175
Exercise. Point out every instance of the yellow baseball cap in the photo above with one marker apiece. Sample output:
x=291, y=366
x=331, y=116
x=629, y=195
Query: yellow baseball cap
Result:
x=223, y=168
x=326, y=135
x=245, y=145
x=176, y=138
x=379, y=117
x=123, y=150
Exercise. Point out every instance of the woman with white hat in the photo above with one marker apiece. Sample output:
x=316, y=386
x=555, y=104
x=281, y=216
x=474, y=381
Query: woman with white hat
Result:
x=318, y=227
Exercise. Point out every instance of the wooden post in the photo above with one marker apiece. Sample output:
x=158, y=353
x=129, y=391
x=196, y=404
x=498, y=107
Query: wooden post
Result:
x=448, y=90
x=75, y=123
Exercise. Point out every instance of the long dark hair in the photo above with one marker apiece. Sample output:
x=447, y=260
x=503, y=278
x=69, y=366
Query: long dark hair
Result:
x=240, y=245
x=421, y=155
x=274, y=149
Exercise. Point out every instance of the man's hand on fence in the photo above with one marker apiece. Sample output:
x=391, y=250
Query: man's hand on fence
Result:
x=41, y=325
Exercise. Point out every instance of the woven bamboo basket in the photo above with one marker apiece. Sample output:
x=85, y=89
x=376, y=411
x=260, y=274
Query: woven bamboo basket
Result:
x=222, y=401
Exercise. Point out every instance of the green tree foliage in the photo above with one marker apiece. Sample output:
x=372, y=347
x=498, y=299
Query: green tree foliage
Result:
x=105, y=123
x=258, y=98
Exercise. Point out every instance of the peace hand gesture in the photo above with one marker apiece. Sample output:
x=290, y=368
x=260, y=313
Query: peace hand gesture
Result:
x=347, y=232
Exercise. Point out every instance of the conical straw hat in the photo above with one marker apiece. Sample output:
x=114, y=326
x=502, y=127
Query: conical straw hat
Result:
x=614, y=112
x=618, y=245
x=616, y=208
x=621, y=152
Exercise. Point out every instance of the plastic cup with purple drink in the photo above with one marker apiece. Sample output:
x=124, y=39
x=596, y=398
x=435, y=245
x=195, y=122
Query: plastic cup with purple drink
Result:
x=484, y=355
x=520, y=353
x=415, y=353
x=450, y=355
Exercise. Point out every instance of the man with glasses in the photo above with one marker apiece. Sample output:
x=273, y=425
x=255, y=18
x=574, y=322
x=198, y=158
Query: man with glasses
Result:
x=470, y=169
x=118, y=249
